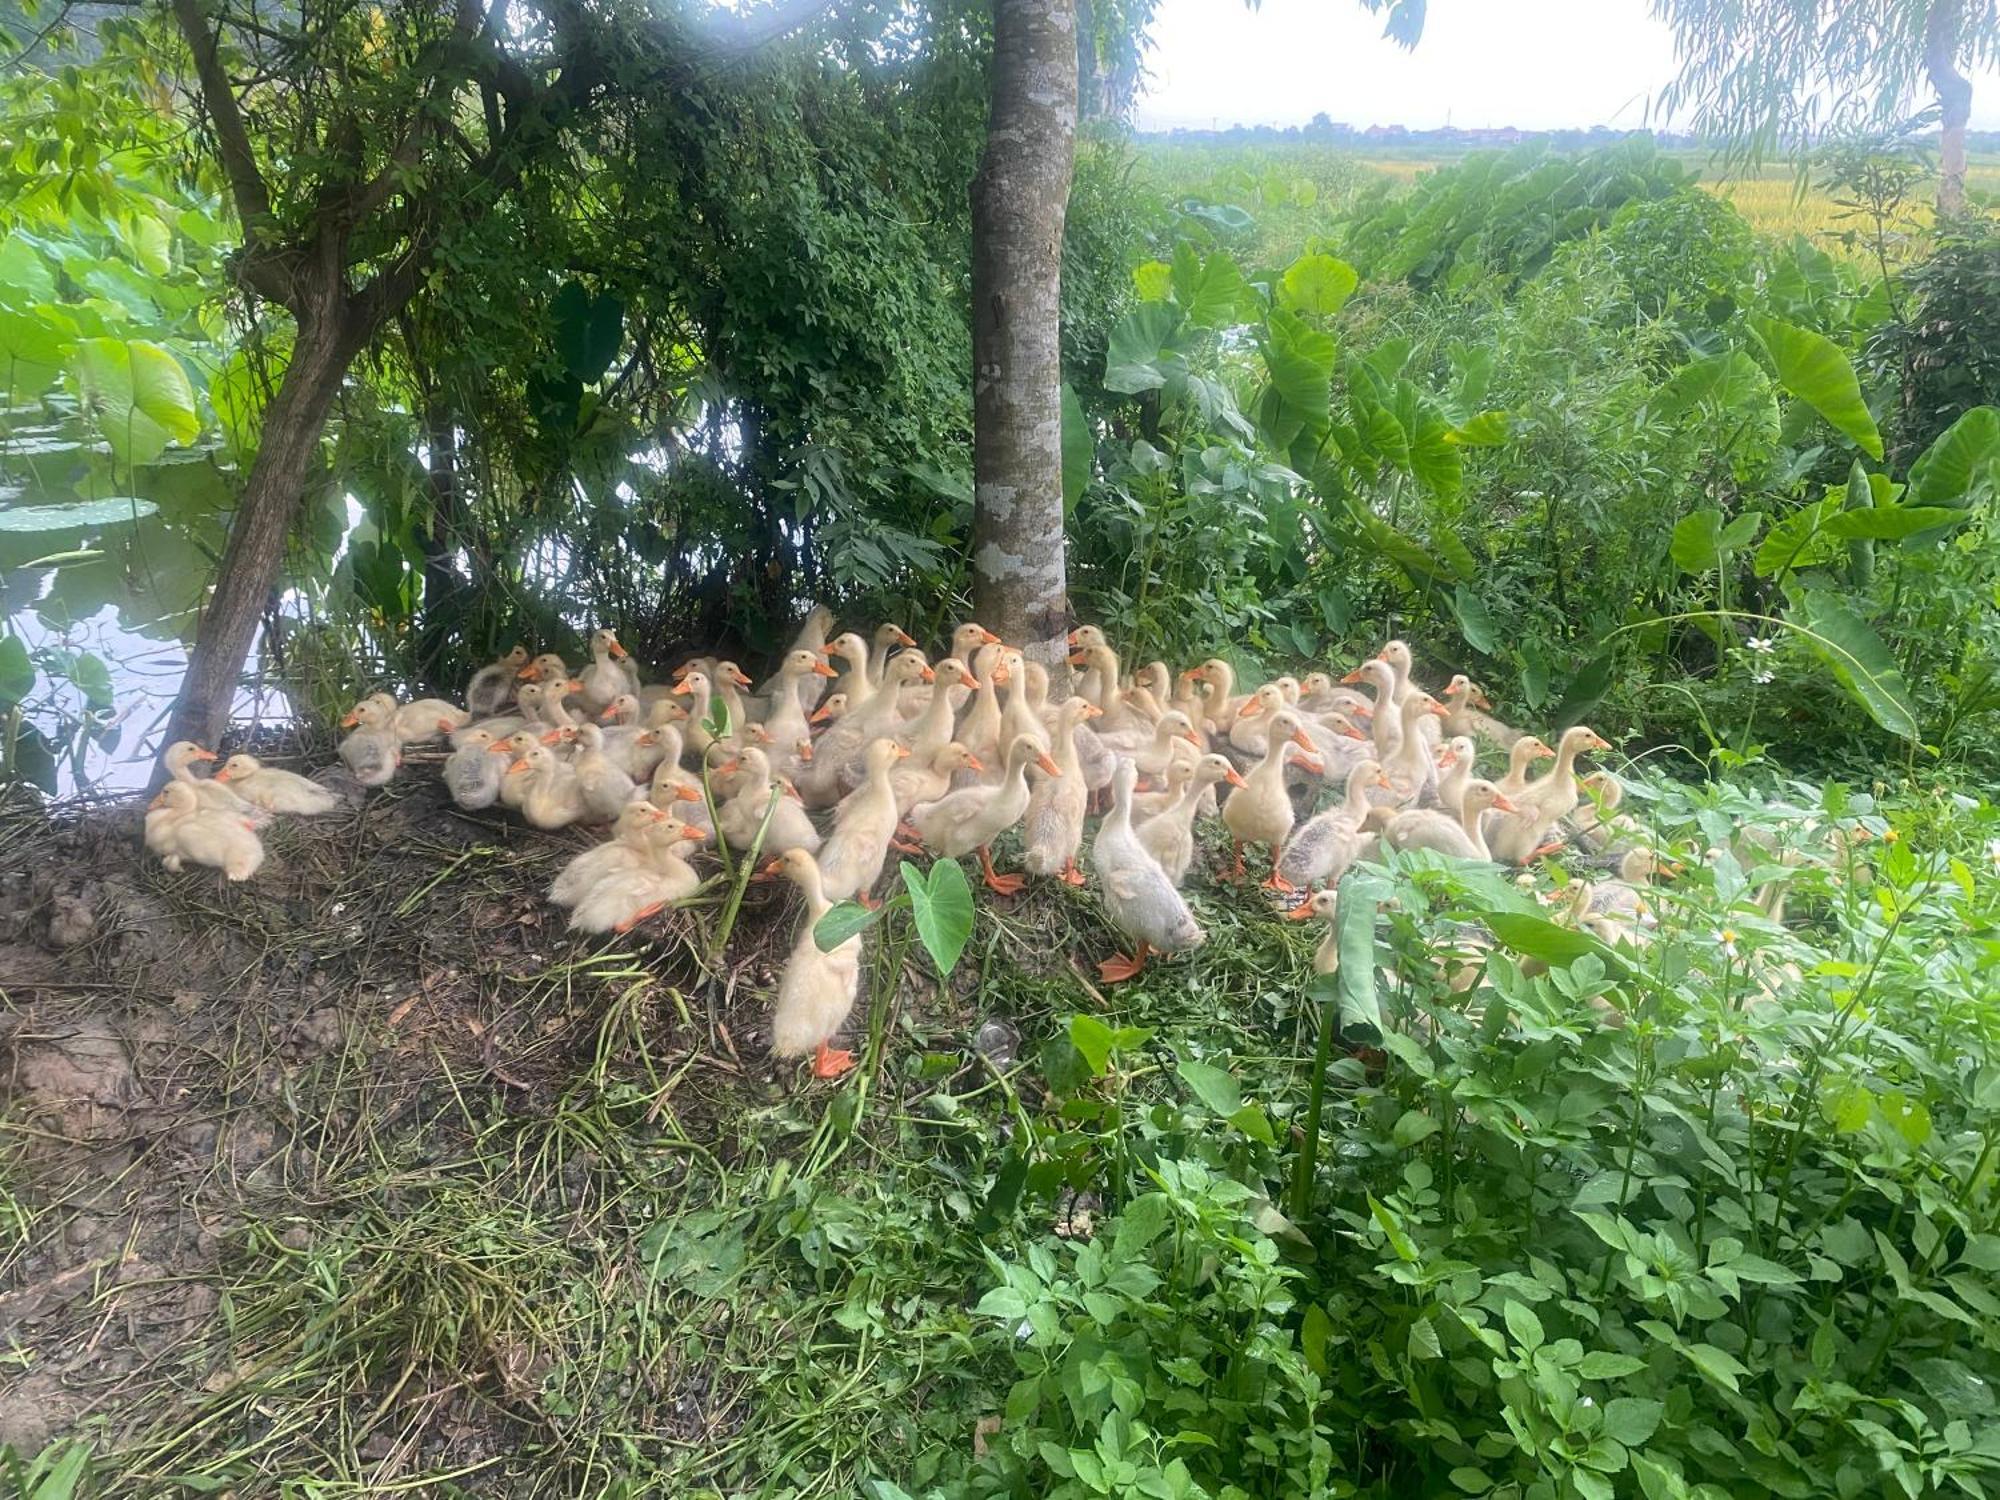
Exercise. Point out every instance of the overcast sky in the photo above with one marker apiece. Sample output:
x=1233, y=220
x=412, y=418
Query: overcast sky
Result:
x=1538, y=64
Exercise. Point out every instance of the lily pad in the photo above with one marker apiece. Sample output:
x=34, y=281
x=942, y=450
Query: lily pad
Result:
x=108, y=511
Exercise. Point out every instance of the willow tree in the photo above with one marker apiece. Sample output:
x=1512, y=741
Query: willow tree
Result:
x=1764, y=75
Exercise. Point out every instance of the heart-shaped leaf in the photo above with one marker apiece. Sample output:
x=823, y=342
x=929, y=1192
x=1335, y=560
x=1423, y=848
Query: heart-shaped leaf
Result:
x=1811, y=366
x=942, y=908
x=139, y=395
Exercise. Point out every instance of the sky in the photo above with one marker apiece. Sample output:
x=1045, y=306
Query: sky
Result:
x=1538, y=64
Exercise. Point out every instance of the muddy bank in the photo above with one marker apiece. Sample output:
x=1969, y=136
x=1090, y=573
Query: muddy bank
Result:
x=192, y=1073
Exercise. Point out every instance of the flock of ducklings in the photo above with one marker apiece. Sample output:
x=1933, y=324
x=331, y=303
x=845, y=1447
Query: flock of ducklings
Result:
x=900, y=752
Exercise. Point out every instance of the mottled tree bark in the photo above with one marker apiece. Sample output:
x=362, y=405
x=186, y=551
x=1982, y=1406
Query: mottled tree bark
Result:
x=1018, y=202
x=1942, y=29
x=327, y=343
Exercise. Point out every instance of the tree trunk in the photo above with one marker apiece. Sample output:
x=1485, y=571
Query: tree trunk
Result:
x=326, y=345
x=444, y=624
x=1019, y=198
x=1942, y=29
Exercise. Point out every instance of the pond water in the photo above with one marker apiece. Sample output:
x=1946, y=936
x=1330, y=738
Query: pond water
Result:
x=101, y=572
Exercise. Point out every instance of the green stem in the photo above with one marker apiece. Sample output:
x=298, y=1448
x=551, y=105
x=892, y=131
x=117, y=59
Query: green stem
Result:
x=1308, y=1157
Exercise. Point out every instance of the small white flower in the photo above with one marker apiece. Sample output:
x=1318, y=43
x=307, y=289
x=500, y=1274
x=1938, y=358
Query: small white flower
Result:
x=1762, y=644
x=1760, y=678
x=1729, y=942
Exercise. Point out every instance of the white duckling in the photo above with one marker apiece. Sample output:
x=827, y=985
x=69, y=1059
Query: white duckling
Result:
x=917, y=779
x=550, y=796
x=1139, y=897
x=1324, y=905
x=1322, y=847
x=1169, y=835
x=424, y=719
x=492, y=686
x=743, y=814
x=372, y=752
x=274, y=790
x=1517, y=838
x=179, y=828
x=622, y=899
x=851, y=861
x=603, y=784
x=816, y=990
x=638, y=834
x=471, y=774
x=1052, y=827
x=1461, y=837
x=211, y=795
x=972, y=817
x=610, y=671
x=1260, y=811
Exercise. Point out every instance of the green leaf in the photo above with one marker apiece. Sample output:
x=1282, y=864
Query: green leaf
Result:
x=1766, y=1272
x=1317, y=285
x=1211, y=294
x=1392, y=1227
x=1631, y=1420
x=1094, y=1040
x=1524, y=1325
x=1718, y=1365
x=1736, y=394
x=1475, y=622
x=1254, y=1123
x=89, y=675
x=1891, y=523
x=1489, y=429
x=1601, y=1364
x=1300, y=359
x=139, y=395
x=17, y=672
x=1702, y=540
x=1002, y=1302
x=1811, y=366
x=1540, y=938
x=1360, y=1012
x=1859, y=661
x=1413, y=1126
x=33, y=351
x=1137, y=351
x=1154, y=281
x=1079, y=448
x=1800, y=540
x=1965, y=455
x=1314, y=1333
x=942, y=908
x=588, y=330
x=843, y=920
x=1657, y=1482
x=1472, y=1481
x=237, y=394
x=112, y=510
x=1213, y=1086
x=25, y=276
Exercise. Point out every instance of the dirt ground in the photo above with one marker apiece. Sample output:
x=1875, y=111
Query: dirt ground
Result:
x=190, y=1068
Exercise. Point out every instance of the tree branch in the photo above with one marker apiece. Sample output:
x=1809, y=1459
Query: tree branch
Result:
x=239, y=162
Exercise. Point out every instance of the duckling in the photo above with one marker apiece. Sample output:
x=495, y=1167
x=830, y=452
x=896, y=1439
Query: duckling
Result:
x=492, y=686
x=610, y=672
x=471, y=774
x=1459, y=764
x=785, y=707
x=422, y=720
x=855, y=681
x=1461, y=837
x=925, y=780
x=1323, y=847
x=1169, y=835
x=527, y=709
x=743, y=814
x=679, y=792
x=275, y=790
x=546, y=669
x=972, y=817
x=816, y=990
x=1325, y=905
x=1261, y=812
x=851, y=861
x=372, y=752
x=1138, y=896
x=810, y=639
x=603, y=785
x=1180, y=771
x=513, y=789
x=1517, y=838
x=621, y=899
x=210, y=795
x=179, y=828
x=550, y=796
x=1052, y=828
x=638, y=834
